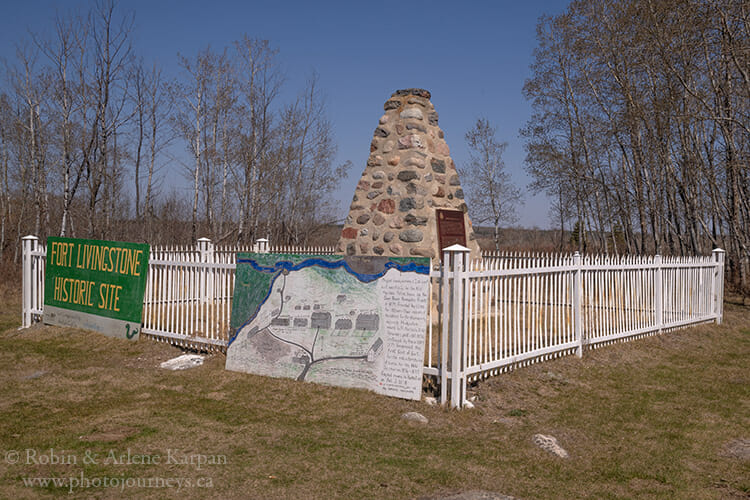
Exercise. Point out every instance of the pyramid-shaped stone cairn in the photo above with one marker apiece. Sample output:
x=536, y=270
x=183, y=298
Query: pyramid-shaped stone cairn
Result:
x=409, y=175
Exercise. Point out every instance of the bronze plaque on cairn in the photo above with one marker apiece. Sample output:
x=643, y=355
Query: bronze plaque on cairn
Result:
x=451, y=228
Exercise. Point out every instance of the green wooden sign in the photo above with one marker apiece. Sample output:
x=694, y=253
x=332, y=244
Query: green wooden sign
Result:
x=95, y=285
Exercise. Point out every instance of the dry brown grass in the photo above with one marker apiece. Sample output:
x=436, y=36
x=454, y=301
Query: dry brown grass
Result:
x=656, y=418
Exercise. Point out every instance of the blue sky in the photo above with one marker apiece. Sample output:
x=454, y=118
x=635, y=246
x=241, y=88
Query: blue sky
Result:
x=473, y=56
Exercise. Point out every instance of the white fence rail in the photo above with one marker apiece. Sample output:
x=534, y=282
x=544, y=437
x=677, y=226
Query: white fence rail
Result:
x=486, y=316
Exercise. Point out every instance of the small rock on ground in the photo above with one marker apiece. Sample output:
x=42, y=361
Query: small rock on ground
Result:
x=184, y=362
x=34, y=375
x=739, y=448
x=549, y=444
x=413, y=416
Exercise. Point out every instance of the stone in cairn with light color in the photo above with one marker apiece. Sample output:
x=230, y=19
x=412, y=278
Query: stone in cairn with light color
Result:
x=408, y=175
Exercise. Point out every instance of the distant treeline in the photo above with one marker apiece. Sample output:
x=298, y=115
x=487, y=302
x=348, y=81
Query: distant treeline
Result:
x=93, y=140
x=641, y=125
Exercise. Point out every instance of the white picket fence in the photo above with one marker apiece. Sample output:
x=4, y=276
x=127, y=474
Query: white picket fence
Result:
x=493, y=314
x=509, y=310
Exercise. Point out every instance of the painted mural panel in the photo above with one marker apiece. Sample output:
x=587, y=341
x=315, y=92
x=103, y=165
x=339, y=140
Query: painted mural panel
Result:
x=345, y=321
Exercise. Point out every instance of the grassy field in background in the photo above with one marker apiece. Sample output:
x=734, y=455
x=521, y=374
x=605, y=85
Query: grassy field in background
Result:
x=663, y=417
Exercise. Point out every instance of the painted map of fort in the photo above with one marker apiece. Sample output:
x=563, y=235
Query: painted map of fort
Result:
x=346, y=321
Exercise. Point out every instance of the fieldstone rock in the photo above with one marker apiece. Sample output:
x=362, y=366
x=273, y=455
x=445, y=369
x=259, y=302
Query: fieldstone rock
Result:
x=412, y=91
x=375, y=235
x=387, y=206
x=388, y=236
x=373, y=194
x=374, y=161
x=417, y=100
x=378, y=174
x=362, y=219
x=433, y=118
x=392, y=104
x=363, y=185
x=388, y=146
x=407, y=204
x=411, y=114
x=411, y=236
x=430, y=400
x=381, y=132
x=438, y=192
x=415, y=162
x=378, y=219
x=459, y=193
x=351, y=249
x=373, y=145
x=400, y=129
x=410, y=141
x=396, y=248
x=378, y=250
x=396, y=223
x=415, y=220
x=377, y=184
x=411, y=188
x=427, y=178
x=393, y=160
x=454, y=180
x=413, y=416
x=364, y=231
x=438, y=166
x=443, y=148
x=383, y=120
x=407, y=175
x=549, y=444
x=184, y=362
x=349, y=233
x=364, y=247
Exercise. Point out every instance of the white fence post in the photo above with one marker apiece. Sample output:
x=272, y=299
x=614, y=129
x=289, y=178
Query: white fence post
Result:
x=261, y=245
x=29, y=244
x=658, y=294
x=444, y=326
x=718, y=284
x=454, y=322
x=577, y=294
x=206, y=249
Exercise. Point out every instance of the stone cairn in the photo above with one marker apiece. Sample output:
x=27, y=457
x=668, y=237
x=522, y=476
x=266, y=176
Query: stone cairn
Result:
x=408, y=175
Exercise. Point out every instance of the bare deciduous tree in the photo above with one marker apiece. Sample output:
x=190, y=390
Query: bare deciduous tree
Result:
x=491, y=194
